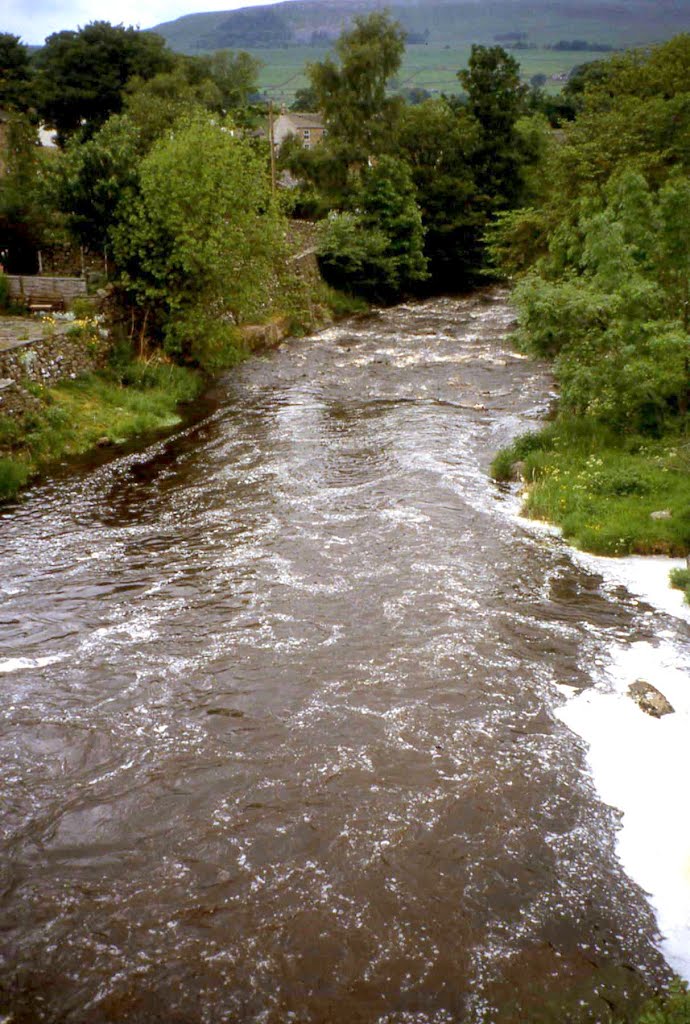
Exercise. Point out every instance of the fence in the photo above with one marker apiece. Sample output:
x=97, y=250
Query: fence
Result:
x=52, y=292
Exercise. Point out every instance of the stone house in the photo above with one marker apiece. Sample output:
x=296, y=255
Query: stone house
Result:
x=309, y=128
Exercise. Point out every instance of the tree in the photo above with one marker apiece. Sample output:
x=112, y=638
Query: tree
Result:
x=81, y=75
x=305, y=100
x=94, y=180
x=673, y=254
x=496, y=98
x=22, y=217
x=197, y=244
x=15, y=73
x=351, y=94
x=377, y=249
x=437, y=142
x=235, y=76
x=156, y=104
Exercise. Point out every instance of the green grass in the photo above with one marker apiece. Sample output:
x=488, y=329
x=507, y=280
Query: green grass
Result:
x=602, y=489
x=428, y=67
x=340, y=303
x=671, y=1008
x=76, y=415
x=680, y=579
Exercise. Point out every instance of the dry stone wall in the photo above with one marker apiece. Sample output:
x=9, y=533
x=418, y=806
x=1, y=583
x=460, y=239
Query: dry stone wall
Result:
x=45, y=356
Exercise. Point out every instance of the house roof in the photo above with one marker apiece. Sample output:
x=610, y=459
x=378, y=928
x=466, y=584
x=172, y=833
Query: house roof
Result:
x=304, y=120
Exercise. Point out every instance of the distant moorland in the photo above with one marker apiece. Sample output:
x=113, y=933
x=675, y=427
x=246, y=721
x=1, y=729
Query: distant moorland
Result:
x=548, y=38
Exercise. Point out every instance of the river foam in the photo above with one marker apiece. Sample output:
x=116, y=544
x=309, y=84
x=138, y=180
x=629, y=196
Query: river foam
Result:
x=640, y=764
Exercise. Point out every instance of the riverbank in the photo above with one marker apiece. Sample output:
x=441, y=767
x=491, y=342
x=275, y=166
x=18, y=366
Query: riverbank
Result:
x=95, y=410
x=609, y=494
x=121, y=399
x=637, y=759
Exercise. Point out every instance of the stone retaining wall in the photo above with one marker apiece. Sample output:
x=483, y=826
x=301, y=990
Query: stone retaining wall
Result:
x=59, y=354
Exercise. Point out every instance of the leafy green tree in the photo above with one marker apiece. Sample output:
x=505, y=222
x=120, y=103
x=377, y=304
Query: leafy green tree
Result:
x=437, y=142
x=673, y=253
x=351, y=94
x=378, y=248
x=154, y=105
x=94, y=179
x=15, y=73
x=197, y=244
x=235, y=75
x=306, y=100
x=496, y=98
x=81, y=75
x=22, y=213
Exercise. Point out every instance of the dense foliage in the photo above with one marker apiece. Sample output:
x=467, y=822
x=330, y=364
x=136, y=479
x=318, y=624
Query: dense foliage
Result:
x=603, y=267
x=81, y=75
x=465, y=161
x=197, y=241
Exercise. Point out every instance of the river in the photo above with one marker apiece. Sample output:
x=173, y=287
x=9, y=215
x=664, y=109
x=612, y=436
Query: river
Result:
x=280, y=735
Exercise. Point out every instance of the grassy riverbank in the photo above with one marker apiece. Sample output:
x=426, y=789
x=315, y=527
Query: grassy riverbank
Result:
x=611, y=494
x=135, y=397
x=98, y=409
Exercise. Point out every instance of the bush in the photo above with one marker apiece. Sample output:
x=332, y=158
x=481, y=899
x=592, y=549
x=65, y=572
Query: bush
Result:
x=673, y=1008
x=680, y=579
x=13, y=475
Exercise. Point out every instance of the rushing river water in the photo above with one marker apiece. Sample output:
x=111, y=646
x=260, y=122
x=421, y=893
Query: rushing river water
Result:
x=279, y=736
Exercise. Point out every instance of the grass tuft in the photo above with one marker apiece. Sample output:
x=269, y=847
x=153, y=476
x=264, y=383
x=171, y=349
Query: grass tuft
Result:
x=603, y=489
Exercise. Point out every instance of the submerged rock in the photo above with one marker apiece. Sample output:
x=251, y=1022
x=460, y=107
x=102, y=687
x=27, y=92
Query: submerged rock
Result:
x=649, y=699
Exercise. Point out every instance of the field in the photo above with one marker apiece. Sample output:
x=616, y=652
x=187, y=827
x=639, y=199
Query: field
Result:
x=427, y=67
x=283, y=35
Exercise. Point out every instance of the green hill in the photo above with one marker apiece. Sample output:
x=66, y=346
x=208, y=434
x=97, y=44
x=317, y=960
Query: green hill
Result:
x=537, y=23
x=549, y=37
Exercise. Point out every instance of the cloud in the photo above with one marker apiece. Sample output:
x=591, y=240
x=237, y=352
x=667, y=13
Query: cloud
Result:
x=33, y=20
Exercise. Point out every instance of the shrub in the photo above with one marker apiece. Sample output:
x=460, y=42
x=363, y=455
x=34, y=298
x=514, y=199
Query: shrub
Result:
x=518, y=450
x=673, y=1008
x=13, y=475
x=680, y=579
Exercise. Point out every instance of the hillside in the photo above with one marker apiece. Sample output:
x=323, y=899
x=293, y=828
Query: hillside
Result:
x=436, y=23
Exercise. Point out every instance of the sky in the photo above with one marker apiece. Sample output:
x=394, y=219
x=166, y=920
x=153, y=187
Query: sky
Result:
x=33, y=20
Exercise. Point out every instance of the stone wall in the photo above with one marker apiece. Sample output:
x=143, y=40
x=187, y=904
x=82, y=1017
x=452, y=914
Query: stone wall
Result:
x=46, y=358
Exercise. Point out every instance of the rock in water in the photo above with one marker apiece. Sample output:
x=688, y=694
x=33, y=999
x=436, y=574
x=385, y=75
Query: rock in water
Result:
x=649, y=699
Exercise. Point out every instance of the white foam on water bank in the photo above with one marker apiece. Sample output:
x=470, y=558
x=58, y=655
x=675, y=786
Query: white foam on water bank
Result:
x=645, y=576
x=641, y=765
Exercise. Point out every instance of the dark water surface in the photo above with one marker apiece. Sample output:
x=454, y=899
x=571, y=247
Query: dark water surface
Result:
x=277, y=738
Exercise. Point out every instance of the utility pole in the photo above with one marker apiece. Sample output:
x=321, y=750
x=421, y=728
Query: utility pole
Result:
x=271, y=144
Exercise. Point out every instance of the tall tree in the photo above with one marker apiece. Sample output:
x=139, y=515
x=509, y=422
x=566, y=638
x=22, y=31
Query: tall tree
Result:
x=22, y=215
x=15, y=73
x=377, y=248
x=351, y=94
x=197, y=243
x=81, y=75
x=497, y=99
x=235, y=75
x=437, y=143
x=93, y=180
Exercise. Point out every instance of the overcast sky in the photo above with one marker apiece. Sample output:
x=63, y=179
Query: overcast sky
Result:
x=33, y=20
